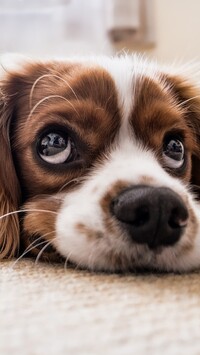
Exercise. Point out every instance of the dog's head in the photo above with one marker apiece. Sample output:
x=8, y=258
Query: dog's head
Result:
x=103, y=156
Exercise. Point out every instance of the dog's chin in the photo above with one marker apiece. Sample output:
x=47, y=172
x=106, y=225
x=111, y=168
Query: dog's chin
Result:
x=125, y=256
x=135, y=259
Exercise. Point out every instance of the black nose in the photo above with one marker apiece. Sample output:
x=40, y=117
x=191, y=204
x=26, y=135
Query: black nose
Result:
x=150, y=215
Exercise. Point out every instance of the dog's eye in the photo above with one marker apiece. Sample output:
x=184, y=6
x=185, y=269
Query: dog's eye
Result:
x=173, y=153
x=55, y=148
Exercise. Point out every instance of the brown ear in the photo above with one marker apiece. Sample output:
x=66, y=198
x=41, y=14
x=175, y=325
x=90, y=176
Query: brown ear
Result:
x=9, y=185
x=188, y=96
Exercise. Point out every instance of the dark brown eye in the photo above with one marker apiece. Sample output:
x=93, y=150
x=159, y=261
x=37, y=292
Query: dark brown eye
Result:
x=173, y=153
x=55, y=148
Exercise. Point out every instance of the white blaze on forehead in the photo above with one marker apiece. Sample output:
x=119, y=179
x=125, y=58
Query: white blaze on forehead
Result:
x=127, y=71
x=123, y=74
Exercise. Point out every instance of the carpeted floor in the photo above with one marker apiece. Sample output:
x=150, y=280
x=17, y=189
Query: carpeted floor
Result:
x=45, y=309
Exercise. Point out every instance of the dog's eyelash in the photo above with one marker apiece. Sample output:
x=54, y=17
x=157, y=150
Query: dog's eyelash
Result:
x=50, y=97
x=48, y=76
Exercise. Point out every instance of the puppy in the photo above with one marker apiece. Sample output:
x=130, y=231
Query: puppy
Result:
x=100, y=164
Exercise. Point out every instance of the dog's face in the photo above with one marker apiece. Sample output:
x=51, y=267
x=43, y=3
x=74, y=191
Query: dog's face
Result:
x=103, y=156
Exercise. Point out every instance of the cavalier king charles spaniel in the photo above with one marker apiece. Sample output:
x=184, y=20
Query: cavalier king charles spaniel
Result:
x=100, y=164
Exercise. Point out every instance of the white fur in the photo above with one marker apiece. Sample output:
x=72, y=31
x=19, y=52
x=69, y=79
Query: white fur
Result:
x=82, y=206
x=127, y=161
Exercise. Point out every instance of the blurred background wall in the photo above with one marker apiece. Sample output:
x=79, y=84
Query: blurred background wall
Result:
x=177, y=25
x=164, y=29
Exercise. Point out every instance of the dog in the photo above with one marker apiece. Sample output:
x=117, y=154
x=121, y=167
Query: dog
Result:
x=100, y=164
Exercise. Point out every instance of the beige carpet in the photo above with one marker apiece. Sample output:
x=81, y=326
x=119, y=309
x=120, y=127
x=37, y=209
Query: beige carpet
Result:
x=45, y=309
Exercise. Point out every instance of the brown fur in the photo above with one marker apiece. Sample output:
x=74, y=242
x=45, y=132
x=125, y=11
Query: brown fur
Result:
x=85, y=102
x=157, y=110
x=189, y=97
x=89, y=233
x=9, y=186
x=39, y=225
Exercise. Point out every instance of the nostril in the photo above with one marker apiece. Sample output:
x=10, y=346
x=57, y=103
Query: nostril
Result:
x=141, y=216
x=178, y=219
x=136, y=215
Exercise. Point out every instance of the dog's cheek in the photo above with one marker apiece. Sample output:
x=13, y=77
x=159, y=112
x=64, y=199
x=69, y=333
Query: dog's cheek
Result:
x=38, y=228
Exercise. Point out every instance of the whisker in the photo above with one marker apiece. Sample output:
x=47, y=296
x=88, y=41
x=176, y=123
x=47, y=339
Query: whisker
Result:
x=26, y=210
x=78, y=266
x=188, y=100
x=45, y=76
x=48, y=98
x=27, y=251
x=76, y=180
x=34, y=241
x=66, y=261
x=43, y=249
x=31, y=247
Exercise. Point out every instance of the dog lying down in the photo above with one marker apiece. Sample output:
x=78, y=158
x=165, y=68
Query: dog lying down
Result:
x=102, y=158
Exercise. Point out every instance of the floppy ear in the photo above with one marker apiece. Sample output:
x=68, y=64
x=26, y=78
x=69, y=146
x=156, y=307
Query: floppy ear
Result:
x=9, y=185
x=188, y=96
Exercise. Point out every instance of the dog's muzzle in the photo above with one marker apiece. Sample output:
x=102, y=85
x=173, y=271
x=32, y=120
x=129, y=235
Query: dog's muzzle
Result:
x=151, y=215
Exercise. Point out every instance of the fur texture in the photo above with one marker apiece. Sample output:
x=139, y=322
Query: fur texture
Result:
x=75, y=134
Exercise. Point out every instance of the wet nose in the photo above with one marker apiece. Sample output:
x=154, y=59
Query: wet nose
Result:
x=155, y=216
